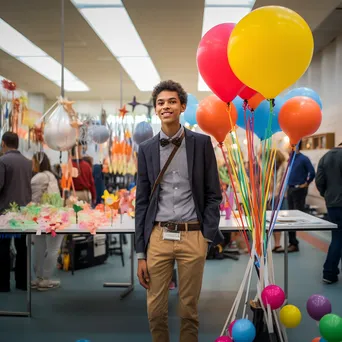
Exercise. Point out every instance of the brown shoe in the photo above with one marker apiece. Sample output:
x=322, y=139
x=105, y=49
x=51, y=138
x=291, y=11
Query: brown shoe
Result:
x=278, y=249
x=293, y=248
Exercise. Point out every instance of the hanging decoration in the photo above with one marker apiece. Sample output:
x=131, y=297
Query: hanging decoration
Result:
x=123, y=111
x=134, y=103
x=149, y=106
x=60, y=132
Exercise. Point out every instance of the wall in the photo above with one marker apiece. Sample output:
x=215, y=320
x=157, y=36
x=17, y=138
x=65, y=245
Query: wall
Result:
x=325, y=77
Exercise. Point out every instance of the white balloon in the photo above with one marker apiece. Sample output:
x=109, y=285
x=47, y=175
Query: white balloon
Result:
x=58, y=133
x=100, y=134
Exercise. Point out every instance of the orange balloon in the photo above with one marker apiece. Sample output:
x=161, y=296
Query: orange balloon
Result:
x=299, y=117
x=317, y=339
x=255, y=100
x=215, y=117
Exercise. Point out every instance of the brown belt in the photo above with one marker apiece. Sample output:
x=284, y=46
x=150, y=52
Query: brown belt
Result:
x=179, y=227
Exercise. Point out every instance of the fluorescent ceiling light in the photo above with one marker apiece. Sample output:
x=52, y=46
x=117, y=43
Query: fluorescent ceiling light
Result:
x=115, y=28
x=81, y=3
x=48, y=67
x=202, y=86
x=111, y=22
x=141, y=70
x=222, y=11
x=19, y=47
x=15, y=44
x=74, y=85
x=218, y=15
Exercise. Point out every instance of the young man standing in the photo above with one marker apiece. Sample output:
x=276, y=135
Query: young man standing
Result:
x=329, y=184
x=15, y=187
x=177, y=213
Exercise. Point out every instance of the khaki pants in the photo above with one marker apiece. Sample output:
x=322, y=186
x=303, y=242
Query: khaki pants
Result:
x=190, y=253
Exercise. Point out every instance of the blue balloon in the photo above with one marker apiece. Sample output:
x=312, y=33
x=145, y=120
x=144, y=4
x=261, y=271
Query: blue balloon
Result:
x=192, y=100
x=143, y=131
x=304, y=92
x=190, y=114
x=182, y=119
x=243, y=331
x=262, y=117
x=322, y=340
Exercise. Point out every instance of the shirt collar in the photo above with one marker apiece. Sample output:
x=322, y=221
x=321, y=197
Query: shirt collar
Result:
x=177, y=135
x=12, y=151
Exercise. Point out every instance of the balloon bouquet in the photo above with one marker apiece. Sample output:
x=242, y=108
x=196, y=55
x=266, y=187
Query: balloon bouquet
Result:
x=247, y=66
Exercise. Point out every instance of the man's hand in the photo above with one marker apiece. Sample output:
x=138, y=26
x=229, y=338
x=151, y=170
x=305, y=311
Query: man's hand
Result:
x=303, y=186
x=143, y=276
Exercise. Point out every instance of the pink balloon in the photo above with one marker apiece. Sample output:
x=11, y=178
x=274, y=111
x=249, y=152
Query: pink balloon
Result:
x=224, y=339
x=274, y=296
x=213, y=64
x=246, y=93
x=230, y=328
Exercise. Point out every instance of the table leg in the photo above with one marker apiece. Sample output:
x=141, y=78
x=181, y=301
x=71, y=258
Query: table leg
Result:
x=129, y=286
x=286, y=265
x=29, y=299
x=29, y=309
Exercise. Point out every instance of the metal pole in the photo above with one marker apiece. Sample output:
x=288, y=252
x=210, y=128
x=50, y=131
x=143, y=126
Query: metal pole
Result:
x=62, y=48
x=29, y=307
x=121, y=91
x=286, y=266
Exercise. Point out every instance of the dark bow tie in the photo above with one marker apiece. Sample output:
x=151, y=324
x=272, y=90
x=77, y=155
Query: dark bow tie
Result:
x=176, y=141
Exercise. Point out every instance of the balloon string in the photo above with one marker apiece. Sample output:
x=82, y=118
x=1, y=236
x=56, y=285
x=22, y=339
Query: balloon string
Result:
x=235, y=194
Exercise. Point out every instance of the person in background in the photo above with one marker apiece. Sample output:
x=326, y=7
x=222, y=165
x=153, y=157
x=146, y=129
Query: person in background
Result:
x=89, y=160
x=302, y=174
x=46, y=247
x=99, y=182
x=329, y=185
x=15, y=187
x=280, y=161
x=84, y=183
x=98, y=178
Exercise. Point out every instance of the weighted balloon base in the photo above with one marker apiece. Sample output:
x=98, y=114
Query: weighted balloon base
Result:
x=266, y=321
x=262, y=334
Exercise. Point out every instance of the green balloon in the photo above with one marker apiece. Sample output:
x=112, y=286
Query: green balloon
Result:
x=330, y=327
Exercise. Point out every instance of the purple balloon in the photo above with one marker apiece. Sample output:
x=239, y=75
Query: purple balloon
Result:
x=318, y=306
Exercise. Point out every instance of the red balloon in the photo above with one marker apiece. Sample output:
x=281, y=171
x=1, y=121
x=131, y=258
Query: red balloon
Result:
x=213, y=64
x=215, y=117
x=246, y=93
x=299, y=117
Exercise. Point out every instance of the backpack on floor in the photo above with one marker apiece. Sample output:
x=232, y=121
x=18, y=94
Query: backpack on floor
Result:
x=84, y=250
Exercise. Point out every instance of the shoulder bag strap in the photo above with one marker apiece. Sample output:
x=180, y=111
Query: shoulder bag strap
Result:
x=162, y=172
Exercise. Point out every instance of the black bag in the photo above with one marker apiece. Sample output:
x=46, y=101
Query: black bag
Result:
x=89, y=250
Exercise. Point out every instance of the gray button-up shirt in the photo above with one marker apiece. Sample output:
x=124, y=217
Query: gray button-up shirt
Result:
x=175, y=198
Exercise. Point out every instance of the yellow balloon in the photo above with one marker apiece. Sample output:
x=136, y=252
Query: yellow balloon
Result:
x=290, y=316
x=270, y=49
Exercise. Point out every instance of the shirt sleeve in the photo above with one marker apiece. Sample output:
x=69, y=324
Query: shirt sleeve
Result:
x=91, y=183
x=310, y=170
x=2, y=175
x=320, y=178
x=39, y=185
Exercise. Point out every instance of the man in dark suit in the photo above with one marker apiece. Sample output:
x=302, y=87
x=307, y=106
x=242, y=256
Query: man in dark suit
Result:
x=178, y=220
x=15, y=187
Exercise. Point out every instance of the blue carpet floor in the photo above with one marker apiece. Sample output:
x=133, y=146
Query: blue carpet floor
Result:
x=83, y=309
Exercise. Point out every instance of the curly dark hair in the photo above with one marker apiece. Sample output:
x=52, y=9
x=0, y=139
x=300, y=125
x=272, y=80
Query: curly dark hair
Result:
x=170, y=86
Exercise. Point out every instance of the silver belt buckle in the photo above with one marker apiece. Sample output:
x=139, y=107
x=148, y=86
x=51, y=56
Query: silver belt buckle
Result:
x=171, y=224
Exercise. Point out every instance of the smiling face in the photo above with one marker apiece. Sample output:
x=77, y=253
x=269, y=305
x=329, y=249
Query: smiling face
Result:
x=168, y=107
